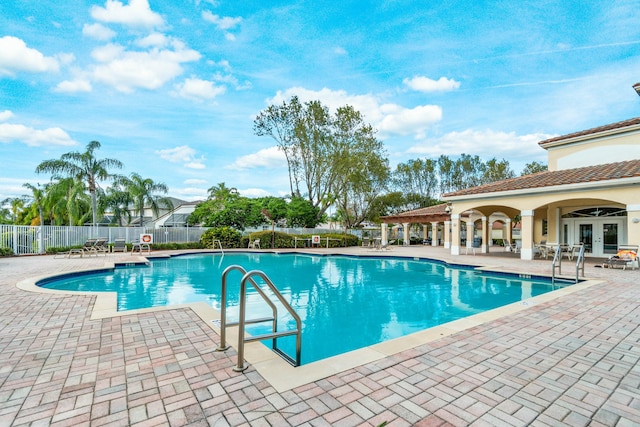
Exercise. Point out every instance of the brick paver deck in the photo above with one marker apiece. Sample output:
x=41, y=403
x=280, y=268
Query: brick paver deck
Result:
x=571, y=361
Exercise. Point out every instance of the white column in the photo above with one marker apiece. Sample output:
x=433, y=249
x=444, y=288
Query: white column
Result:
x=385, y=234
x=455, y=234
x=485, y=240
x=633, y=224
x=405, y=229
x=434, y=234
x=507, y=231
x=446, y=234
x=526, y=232
x=470, y=234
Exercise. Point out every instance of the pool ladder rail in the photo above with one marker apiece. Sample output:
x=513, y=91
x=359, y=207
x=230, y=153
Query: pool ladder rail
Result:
x=557, y=263
x=248, y=277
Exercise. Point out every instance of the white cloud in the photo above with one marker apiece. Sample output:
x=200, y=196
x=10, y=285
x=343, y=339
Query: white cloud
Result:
x=425, y=84
x=486, y=144
x=128, y=70
x=72, y=86
x=15, y=56
x=190, y=193
x=182, y=154
x=405, y=121
x=34, y=137
x=253, y=192
x=387, y=118
x=6, y=114
x=222, y=23
x=153, y=40
x=195, y=181
x=136, y=14
x=198, y=90
x=98, y=32
x=271, y=157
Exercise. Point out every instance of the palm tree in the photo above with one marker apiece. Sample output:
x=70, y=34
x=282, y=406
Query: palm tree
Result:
x=221, y=194
x=38, y=196
x=84, y=167
x=16, y=206
x=68, y=201
x=117, y=202
x=143, y=192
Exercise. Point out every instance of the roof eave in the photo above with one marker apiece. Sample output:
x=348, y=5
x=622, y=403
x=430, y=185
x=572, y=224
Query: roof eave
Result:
x=591, y=185
x=590, y=136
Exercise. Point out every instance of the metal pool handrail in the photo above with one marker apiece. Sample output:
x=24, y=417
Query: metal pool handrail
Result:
x=248, y=277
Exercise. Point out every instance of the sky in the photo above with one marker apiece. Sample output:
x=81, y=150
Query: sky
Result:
x=171, y=87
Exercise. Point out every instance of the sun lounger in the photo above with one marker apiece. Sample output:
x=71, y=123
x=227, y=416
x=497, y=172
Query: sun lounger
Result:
x=627, y=256
x=119, y=245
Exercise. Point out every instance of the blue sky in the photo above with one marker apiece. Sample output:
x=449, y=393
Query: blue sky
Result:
x=171, y=87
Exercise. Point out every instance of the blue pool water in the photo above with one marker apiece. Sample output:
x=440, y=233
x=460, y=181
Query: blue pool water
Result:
x=345, y=302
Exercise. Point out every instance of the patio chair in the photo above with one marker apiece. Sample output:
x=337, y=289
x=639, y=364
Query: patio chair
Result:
x=119, y=245
x=627, y=256
x=87, y=248
x=255, y=244
x=139, y=246
x=101, y=246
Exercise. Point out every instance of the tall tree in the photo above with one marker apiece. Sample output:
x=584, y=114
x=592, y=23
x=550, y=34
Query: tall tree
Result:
x=533, y=167
x=361, y=167
x=320, y=148
x=417, y=180
x=281, y=122
x=145, y=193
x=496, y=171
x=85, y=167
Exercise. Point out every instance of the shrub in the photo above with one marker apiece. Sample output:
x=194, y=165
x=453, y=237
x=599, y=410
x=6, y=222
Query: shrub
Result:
x=6, y=251
x=229, y=237
x=280, y=239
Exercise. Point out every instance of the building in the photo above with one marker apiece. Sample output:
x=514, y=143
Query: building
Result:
x=590, y=194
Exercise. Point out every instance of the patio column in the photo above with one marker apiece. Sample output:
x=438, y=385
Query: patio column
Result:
x=633, y=224
x=490, y=233
x=485, y=241
x=455, y=234
x=434, y=234
x=470, y=233
x=405, y=229
x=425, y=232
x=506, y=233
x=384, y=238
x=446, y=234
x=526, y=252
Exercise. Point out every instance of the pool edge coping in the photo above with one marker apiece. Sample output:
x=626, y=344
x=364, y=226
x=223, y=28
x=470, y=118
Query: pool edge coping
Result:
x=276, y=371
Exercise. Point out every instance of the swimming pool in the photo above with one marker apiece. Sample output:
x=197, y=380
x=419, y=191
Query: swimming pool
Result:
x=345, y=302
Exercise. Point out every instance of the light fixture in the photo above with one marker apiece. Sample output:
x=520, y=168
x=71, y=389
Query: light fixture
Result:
x=636, y=87
x=635, y=220
x=448, y=208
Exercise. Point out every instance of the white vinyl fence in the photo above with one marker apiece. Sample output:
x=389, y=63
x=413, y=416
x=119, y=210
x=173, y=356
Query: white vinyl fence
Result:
x=27, y=240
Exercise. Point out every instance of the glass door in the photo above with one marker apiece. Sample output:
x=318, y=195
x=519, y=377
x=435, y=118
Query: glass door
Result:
x=609, y=238
x=586, y=236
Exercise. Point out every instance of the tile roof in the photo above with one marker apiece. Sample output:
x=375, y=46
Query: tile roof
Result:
x=605, y=172
x=612, y=126
x=430, y=213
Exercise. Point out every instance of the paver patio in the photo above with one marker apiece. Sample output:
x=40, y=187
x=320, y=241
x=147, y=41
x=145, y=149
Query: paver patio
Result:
x=570, y=361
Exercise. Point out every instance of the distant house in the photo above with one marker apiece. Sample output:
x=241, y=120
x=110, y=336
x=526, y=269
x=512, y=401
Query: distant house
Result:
x=590, y=194
x=167, y=217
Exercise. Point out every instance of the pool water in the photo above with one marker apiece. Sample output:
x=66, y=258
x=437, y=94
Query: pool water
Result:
x=345, y=303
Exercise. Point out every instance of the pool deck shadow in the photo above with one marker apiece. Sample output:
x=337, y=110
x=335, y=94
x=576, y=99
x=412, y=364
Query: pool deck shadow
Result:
x=565, y=358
